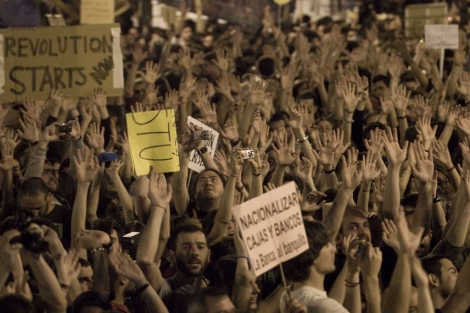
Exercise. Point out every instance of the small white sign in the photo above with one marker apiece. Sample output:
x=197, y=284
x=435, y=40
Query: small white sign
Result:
x=442, y=36
x=272, y=228
x=195, y=161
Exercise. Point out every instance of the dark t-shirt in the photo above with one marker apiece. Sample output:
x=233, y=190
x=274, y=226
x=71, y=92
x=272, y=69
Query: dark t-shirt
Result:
x=61, y=216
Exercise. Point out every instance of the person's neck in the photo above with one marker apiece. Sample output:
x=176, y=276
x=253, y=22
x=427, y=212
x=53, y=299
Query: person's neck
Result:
x=186, y=279
x=437, y=298
x=315, y=280
x=207, y=205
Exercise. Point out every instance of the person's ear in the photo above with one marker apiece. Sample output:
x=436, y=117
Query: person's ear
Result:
x=433, y=280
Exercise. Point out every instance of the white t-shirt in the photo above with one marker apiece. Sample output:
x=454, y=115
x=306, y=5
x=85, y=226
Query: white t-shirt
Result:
x=316, y=301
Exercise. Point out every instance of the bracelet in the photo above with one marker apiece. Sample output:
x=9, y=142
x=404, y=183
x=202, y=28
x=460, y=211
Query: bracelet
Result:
x=79, y=138
x=351, y=284
x=349, y=111
x=303, y=139
x=97, y=249
x=329, y=172
x=142, y=289
x=349, y=121
x=436, y=200
x=160, y=206
x=243, y=257
x=256, y=174
x=202, y=150
x=402, y=117
x=451, y=169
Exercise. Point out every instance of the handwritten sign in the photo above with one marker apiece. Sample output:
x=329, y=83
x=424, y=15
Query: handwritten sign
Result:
x=272, y=228
x=75, y=59
x=442, y=36
x=152, y=140
x=96, y=12
x=195, y=161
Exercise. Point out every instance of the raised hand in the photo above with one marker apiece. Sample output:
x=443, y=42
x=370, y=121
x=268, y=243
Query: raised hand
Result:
x=221, y=160
x=189, y=143
x=409, y=241
x=463, y=123
x=351, y=171
x=304, y=171
x=139, y=107
x=184, y=57
x=386, y=104
x=171, y=100
x=400, y=100
x=11, y=139
x=99, y=97
x=86, y=166
x=76, y=131
x=95, y=138
x=375, y=144
x=68, y=267
x=337, y=140
x=152, y=72
x=159, y=190
x=85, y=110
x=7, y=160
x=390, y=234
x=465, y=151
x=423, y=165
x=222, y=60
x=123, y=142
x=229, y=131
x=326, y=154
x=463, y=85
x=369, y=171
x=127, y=268
x=350, y=98
x=441, y=154
x=236, y=163
x=283, y=150
x=428, y=132
x=265, y=138
x=69, y=104
x=32, y=109
x=114, y=167
x=8, y=251
x=395, y=154
x=295, y=119
x=56, y=97
x=207, y=110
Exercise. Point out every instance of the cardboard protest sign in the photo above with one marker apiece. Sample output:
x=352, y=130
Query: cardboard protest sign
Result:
x=95, y=12
x=195, y=161
x=419, y=15
x=152, y=141
x=442, y=36
x=75, y=59
x=272, y=228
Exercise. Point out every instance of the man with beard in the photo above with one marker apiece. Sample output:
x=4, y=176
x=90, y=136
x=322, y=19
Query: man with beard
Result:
x=442, y=276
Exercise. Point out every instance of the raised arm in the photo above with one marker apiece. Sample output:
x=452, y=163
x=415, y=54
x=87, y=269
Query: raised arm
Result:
x=224, y=213
x=395, y=156
x=113, y=172
x=351, y=177
x=160, y=195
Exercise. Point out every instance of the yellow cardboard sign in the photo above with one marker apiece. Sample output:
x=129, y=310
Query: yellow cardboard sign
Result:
x=75, y=59
x=152, y=140
x=96, y=12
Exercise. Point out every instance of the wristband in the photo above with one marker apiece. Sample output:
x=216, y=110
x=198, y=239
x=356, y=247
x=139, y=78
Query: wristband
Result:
x=202, y=150
x=80, y=137
x=436, y=200
x=329, y=172
x=236, y=142
x=349, y=121
x=451, y=169
x=142, y=289
x=243, y=257
x=303, y=139
x=402, y=117
x=160, y=206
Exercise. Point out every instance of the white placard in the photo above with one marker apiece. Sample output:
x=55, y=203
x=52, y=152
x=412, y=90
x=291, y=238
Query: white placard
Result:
x=272, y=228
x=441, y=36
x=195, y=161
x=94, y=12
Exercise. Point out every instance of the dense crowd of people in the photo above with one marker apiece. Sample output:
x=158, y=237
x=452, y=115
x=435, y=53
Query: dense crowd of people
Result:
x=359, y=118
